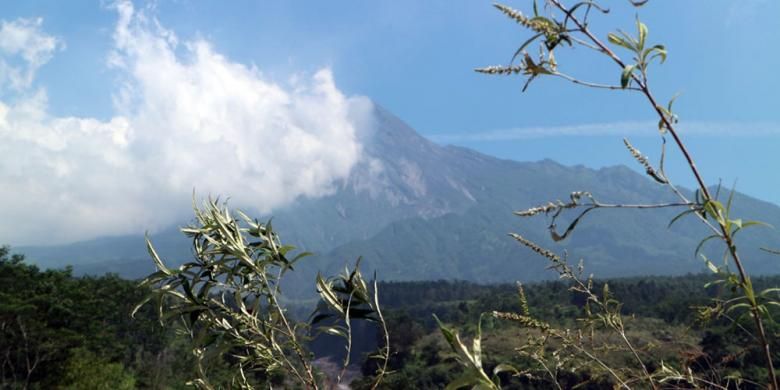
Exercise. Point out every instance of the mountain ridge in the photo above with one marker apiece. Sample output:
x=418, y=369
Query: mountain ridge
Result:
x=449, y=208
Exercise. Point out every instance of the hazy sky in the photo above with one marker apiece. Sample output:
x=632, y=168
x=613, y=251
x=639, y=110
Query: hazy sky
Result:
x=110, y=113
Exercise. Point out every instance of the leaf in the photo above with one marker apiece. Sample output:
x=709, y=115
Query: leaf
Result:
x=334, y=331
x=617, y=40
x=476, y=347
x=468, y=378
x=671, y=101
x=523, y=46
x=448, y=333
x=747, y=224
x=625, y=77
x=657, y=51
x=772, y=251
x=588, y=4
x=505, y=367
x=711, y=266
x=716, y=210
x=327, y=294
x=143, y=302
x=702, y=242
x=714, y=282
x=156, y=258
x=737, y=306
x=559, y=237
x=319, y=317
x=642, y=29
x=684, y=213
x=769, y=290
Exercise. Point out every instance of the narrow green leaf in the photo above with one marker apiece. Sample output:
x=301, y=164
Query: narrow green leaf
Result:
x=742, y=305
x=327, y=294
x=684, y=213
x=625, y=77
x=711, y=266
x=702, y=242
x=156, y=258
x=143, y=302
x=617, y=40
x=769, y=291
x=476, y=348
x=335, y=332
x=746, y=224
x=468, y=378
x=657, y=51
x=642, y=29
x=671, y=101
x=505, y=367
x=524, y=45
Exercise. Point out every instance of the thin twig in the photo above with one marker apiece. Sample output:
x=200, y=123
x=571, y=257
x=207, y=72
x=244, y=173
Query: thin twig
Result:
x=592, y=85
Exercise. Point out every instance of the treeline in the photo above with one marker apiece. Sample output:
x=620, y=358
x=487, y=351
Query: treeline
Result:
x=664, y=297
x=62, y=331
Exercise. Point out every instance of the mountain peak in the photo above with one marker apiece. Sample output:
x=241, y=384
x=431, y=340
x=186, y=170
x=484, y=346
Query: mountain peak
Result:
x=390, y=131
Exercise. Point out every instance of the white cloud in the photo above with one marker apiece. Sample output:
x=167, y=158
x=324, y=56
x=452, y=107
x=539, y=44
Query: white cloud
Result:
x=186, y=117
x=620, y=129
x=24, y=48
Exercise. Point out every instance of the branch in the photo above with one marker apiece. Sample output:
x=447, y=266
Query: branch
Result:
x=592, y=85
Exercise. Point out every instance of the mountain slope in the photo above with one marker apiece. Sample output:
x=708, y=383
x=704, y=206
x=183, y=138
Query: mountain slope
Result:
x=417, y=210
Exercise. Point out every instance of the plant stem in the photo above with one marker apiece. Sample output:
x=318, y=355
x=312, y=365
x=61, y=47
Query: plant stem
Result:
x=726, y=235
x=386, y=349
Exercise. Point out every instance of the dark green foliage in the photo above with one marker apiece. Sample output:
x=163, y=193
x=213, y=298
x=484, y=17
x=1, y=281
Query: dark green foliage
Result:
x=659, y=309
x=69, y=321
x=52, y=323
x=85, y=370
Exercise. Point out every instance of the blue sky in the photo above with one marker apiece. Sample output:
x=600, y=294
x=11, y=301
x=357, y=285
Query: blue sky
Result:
x=414, y=58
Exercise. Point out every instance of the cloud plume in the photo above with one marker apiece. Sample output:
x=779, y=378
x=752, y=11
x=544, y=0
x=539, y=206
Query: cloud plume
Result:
x=185, y=117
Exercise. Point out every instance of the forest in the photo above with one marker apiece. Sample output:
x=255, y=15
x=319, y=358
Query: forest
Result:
x=62, y=331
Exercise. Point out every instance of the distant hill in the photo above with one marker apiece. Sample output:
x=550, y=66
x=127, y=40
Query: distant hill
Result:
x=416, y=210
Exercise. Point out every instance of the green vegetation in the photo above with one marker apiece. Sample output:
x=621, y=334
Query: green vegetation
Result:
x=660, y=316
x=81, y=333
x=59, y=330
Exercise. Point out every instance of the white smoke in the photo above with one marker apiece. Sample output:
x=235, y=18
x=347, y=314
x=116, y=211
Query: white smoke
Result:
x=186, y=118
